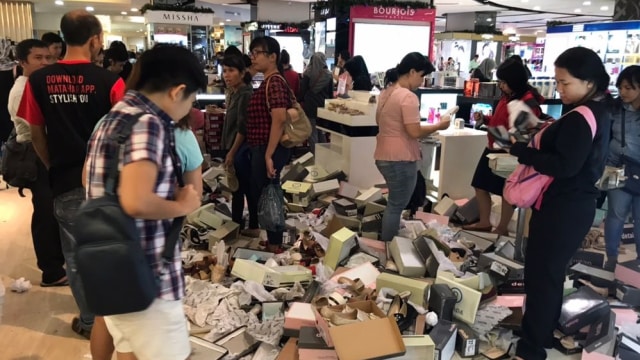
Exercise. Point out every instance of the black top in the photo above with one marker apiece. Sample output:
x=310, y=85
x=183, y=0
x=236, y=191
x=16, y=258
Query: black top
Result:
x=313, y=93
x=69, y=98
x=568, y=153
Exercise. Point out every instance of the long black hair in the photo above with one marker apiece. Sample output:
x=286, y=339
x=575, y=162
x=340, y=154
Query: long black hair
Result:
x=586, y=65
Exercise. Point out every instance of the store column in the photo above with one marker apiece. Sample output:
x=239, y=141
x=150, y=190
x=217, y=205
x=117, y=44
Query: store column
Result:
x=626, y=10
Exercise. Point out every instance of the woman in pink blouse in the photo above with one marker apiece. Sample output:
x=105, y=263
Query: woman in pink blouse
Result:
x=399, y=128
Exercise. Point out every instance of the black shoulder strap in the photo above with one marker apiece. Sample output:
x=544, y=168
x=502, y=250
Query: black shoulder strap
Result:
x=119, y=137
x=622, y=116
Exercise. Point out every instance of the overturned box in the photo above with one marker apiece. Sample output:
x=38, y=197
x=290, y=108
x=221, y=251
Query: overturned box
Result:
x=281, y=276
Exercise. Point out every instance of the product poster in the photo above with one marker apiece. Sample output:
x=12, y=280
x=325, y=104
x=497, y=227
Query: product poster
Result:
x=487, y=49
x=233, y=36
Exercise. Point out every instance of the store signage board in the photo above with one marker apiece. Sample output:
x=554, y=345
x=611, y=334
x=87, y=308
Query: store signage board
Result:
x=178, y=17
x=608, y=26
x=393, y=13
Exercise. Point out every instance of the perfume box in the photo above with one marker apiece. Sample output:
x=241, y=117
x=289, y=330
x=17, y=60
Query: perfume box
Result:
x=204, y=350
x=444, y=338
x=281, y=276
x=507, y=269
x=419, y=288
x=207, y=216
x=369, y=195
x=252, y=254
x=371, y=223
x=348, y=191
x=316, y=173
x=304, y=160
x=296, y=172
x=418, y=347
x=467, y=300
x=298, y=316
x=627, y=294
x=442, y=301
x=325, y=187
x=629, y=273
x=228, y=231
x=601, y=332
x=238, y=342
x=350, y=222
x=406, y=257
x=311, y=346
x=341, y=243
x=467, y=341
x=373, y=208
x=345, y=207
x=580, y=309
x=445, y=207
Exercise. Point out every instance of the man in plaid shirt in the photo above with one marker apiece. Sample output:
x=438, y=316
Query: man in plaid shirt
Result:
x=164, y=92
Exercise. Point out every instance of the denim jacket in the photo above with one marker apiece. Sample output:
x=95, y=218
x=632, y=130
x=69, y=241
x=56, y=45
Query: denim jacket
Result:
x=632, y=135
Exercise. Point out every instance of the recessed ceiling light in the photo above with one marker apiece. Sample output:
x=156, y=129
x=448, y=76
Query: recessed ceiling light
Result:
x=604, y=8
x=221, y=23
x=489, y=20
x=536, y=8
x=587, y=3
x=59, y=2
x=134, y=9
x=89, y=8
x=228, y=20
x=525, y=1
x=577, y=10
x=124, y=13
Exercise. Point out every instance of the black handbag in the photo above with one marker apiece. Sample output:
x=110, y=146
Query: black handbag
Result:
x=19, y=163
x=631, y=166
x=116, y=276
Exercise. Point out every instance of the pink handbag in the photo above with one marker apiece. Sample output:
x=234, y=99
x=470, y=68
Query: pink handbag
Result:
x=525, y=187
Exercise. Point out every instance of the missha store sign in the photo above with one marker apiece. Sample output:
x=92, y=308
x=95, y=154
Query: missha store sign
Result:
x=178, y=17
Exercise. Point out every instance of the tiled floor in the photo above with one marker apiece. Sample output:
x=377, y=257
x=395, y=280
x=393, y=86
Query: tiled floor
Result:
x=35, y=325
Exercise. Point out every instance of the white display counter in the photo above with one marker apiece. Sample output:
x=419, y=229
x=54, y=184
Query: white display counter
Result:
x=353, y=140
x=460, y=151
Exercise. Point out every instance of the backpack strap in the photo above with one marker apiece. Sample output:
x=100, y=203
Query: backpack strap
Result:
x=586, y=112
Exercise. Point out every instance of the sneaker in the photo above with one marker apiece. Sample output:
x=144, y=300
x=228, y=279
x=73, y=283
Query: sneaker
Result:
x=78, y=329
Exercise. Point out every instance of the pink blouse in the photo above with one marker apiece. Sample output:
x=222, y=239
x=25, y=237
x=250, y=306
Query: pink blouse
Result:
x=397, y=107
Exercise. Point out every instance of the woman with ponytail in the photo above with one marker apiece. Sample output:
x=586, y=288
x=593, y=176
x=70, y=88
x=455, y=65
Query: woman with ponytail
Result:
x=574, y=156
x=397, y=149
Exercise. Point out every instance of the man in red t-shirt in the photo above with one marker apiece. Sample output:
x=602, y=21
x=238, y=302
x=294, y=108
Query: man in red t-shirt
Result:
x=292, y=76
x=62, y=104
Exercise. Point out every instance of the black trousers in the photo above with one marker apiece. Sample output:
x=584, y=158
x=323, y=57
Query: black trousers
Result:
x=242, y=165
x=44, y=229
x=555, y=234
x=259, y=180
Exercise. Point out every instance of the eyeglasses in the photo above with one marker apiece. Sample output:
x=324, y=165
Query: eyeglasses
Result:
x=255, y=53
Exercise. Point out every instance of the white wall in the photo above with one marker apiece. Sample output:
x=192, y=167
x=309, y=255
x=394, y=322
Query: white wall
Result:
x=281, y=11
x=46, y=22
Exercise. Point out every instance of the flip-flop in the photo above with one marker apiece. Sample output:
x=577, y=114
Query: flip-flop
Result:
x=62, y=282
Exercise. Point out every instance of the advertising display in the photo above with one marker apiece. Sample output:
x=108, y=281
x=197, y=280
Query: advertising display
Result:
x=617, y=43
x=393, y=30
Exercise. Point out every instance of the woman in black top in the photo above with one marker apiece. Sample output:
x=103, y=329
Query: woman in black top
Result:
x=575, y=160
x=357, y=68
x=315, y=88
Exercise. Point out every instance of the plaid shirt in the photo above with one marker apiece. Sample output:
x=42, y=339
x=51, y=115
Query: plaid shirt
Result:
x=150, y=140
x=259, y=114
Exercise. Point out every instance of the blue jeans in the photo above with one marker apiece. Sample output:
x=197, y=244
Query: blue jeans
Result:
x=400, y=177
x=620, y=204
x=65, y=207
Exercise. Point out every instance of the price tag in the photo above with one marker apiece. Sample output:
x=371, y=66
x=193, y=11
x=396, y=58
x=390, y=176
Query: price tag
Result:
x=499, y=268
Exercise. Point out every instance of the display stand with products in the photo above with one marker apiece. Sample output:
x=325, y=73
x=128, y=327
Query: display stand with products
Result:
x=468, y=105
x=188, y=29
x=352, y=125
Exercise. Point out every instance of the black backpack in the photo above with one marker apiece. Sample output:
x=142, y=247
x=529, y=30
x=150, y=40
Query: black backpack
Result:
x=19, y=163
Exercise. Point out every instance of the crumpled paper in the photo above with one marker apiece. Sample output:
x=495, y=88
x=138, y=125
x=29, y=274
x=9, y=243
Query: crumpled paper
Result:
x=285, y=294
x=20, y=285
x=487, y=318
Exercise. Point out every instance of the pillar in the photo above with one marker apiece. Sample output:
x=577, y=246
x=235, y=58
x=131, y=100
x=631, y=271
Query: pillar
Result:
x=16, y=20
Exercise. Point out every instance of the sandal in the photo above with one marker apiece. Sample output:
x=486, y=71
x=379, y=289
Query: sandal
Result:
x=475, y=227
x=64, y=281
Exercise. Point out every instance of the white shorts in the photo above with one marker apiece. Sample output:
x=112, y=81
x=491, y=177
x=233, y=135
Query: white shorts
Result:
x=157, y=333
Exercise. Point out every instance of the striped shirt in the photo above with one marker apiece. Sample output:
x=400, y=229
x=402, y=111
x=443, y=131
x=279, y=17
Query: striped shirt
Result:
x=150, y=140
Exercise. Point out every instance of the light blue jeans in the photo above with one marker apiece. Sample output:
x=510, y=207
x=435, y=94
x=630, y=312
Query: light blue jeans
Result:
x=620, y=204
x=65, y=207
x=400, y=177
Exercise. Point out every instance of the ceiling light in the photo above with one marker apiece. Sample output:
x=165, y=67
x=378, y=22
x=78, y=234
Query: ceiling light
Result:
x=228, y=20
x=537, y=8
x=487, y=36
x=89, y=8
x=124, y=13
x=587, y=3
x=59, y=2
x=134, y=9
x=489, y=20
x=525, y=1
x=577, y=10
x=604, y=8
x=221, y=23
